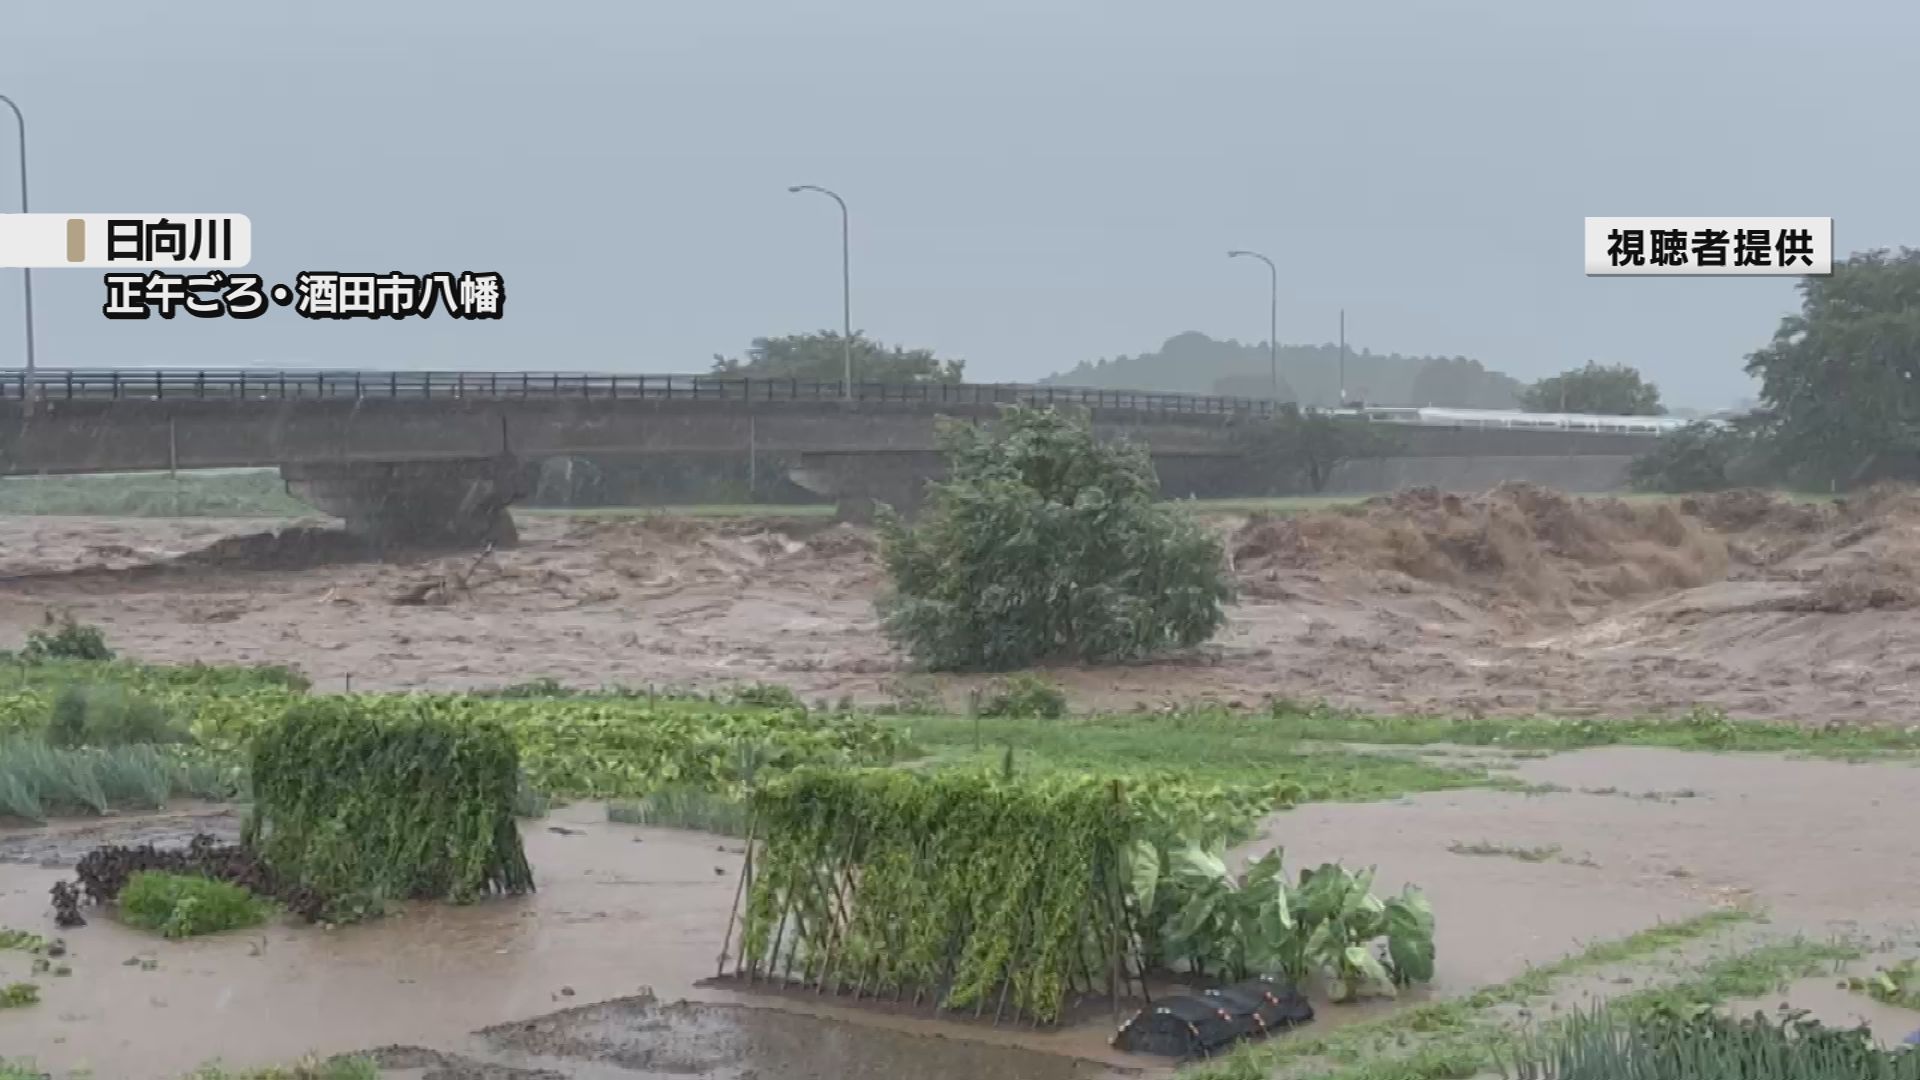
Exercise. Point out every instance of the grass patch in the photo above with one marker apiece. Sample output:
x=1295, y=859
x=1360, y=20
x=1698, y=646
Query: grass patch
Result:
x=1524, y=854
x=1598, y=1044
x=37, y=780
x=1700, y=729
x=1212, y=747
x=682, y=807
x=208, y=493
x=18, y=673
x=1453, y=1038
x=185, y=905
x=19, y=995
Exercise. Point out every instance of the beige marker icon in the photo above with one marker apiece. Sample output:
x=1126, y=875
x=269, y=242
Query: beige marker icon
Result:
x=176, y=242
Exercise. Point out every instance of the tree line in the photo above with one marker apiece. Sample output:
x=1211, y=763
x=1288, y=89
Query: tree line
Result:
x=1839, y=392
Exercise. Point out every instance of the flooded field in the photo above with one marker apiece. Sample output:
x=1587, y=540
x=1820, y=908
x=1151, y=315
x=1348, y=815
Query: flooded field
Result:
x=599, y=973
x=1514, y=602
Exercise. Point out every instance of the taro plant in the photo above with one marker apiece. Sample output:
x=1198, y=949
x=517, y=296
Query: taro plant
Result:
x=1205, y=921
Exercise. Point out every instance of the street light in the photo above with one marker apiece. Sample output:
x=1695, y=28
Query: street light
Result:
x=26, y=274
x=1273, y=318
x=846, y=286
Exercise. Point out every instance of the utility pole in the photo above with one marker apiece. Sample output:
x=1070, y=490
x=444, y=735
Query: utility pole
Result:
x=1273, y=319
x=1343, y=358
x=26, y=274
x=846, y=286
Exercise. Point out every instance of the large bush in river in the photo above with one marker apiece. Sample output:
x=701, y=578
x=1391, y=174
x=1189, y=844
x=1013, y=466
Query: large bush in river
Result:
x=1046, y=543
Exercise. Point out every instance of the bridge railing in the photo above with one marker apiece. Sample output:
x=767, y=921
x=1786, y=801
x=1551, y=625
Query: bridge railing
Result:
x=257, y=384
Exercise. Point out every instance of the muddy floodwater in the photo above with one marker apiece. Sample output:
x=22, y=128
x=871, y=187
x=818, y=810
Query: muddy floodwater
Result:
x=1518, y=601
x=621, y=912
x=598, y=974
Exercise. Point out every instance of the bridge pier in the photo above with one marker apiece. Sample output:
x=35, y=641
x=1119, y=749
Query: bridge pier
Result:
x=455, y=503
x=859, y=482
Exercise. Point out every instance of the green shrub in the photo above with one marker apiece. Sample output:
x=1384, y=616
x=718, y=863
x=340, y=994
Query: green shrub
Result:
x=63, y=639
x=19, y=995
x=1698, y=457
x=183, y=905
x=368, y=804
x=1047, y=543
x=106, y=715
x=1026, y=696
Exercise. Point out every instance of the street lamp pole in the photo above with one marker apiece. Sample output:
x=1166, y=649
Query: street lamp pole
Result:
x=1273, y=318
x=26, y=274
x=846, y=286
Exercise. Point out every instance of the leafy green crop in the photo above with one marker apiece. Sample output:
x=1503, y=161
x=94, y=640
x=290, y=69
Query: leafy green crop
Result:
x=185, y=905
x=964, y=888
x=1698, y=1044
x=955, y=886
x=1330, y=923
x=615, y=749
x=402, y=801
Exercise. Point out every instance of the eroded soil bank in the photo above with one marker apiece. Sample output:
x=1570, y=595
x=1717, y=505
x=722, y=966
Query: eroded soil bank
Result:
x=1635, y=837
x=1517, y=601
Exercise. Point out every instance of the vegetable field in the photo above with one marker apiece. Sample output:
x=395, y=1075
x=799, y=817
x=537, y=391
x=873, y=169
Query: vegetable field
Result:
x=73, y=748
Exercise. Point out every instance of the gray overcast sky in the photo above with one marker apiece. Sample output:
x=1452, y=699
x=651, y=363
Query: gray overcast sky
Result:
x=1033, y=182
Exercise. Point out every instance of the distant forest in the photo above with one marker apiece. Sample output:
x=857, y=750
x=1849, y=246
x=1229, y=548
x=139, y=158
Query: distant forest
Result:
x=1310, y=374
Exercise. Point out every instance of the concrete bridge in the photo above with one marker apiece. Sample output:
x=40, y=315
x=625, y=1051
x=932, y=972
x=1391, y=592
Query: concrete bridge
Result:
x=440, y=455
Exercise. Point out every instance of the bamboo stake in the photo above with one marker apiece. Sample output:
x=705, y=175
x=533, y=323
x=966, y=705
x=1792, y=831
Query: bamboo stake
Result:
x=739, y=890
x=837, y=934
x=779, y=932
